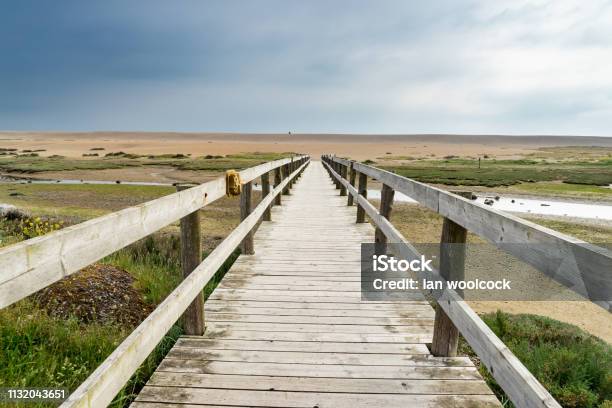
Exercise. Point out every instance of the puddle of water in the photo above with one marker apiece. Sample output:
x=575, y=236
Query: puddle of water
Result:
x=547, y=207
x=533, y=206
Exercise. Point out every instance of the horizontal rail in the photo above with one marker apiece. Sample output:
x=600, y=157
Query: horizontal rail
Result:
x=585, y=268
x=515, y=379
x=107, y=380
x=34, y=264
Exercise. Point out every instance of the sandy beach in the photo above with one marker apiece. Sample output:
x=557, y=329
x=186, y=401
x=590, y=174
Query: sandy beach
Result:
x=360, y=147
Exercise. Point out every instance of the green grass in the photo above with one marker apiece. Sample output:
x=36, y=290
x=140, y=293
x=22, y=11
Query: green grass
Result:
x=24, y=164
x=40, y=351
x=493, y=173
x=81, y=201
x=37, y=350
x=118, y=160
x=563, y=189
x=575, y=367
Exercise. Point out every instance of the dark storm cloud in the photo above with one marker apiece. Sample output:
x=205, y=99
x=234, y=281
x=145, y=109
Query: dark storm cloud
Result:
x=275, y=65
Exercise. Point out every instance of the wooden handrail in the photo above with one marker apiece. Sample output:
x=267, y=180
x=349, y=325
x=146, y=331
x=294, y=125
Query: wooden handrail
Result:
x=523, y=389
x=107, y=380
x=588, y=273
x=34, y=264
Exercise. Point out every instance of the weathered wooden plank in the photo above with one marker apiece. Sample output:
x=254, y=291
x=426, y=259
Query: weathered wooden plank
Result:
x=301, y=357
x=389, y=307
x=312, y=319
x=321, y=328
x=304, y=346
x=332, y=385
x=309, y=399
x=413, y=337
x=319, y=370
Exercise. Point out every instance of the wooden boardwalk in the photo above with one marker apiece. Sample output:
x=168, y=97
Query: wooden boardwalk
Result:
x=287, y=327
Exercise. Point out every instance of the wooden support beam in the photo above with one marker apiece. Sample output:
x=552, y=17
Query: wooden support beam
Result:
x=246, y=246
x=277, y=180
x=191, y=256
x=352, y=175
x=386, y=204
x=343, y=169
x=363, y=191
x=452, y=267
x=291, y=169
x=265, y=190
x=336, y=168
x=285, y=173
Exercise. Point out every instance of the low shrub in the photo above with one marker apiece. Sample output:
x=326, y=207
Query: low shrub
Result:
x=575, y=367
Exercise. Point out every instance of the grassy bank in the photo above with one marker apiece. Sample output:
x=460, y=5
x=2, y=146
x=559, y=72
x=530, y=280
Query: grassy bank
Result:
x=578, y=172
x=117, y=160
x=575, y=367
x=494, y=173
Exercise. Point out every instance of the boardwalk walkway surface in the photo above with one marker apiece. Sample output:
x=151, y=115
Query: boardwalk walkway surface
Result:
x=287, y=328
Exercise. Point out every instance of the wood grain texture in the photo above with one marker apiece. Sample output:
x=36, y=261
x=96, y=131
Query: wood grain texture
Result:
x=265, y=190
x=191, y=257
x=452, y=267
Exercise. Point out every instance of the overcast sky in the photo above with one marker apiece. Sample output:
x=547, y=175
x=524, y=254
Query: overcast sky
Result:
x=450, y=66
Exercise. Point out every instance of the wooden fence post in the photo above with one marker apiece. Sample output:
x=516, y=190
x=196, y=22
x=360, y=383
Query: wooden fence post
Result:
x=265, y=190
x=285, y=174
x=363, y=191
x=336, y=167
x=191, y=257
x=452, y=267
x=291, y=169
x=343, y=175
x=352, y=174
x=246, y=246
x=386, y=204
x=277, y=181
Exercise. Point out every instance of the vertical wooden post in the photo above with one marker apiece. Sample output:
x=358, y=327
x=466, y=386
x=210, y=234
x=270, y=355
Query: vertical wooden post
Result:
x=352, y=174
x=343, y=175
x=277, y=181
x=285, y=174
x=363, y=191
x=336, y=167
x=191, y=257
x=452, y=267
x=265, y=190
x=386, y=204
x=290, y=170
x=246, y=246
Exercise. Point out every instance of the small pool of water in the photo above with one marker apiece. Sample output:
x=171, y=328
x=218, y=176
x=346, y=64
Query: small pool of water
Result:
x=532, y=205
